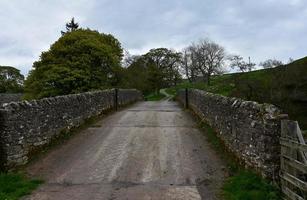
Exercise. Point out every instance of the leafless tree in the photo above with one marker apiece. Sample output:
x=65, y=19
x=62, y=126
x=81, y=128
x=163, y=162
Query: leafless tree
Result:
x=270, y=63
x=238, y=62
x=189, y=64
x=291, y=60
x=205, y=58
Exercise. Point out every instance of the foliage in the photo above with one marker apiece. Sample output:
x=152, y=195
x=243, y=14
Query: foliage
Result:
x=171, y=91
x=137, y=76
x=154, y=97
x=154, y=70
x=14, y=186
x=163, y=67
x=11, y=81
x=246, y=185
x=79, y=61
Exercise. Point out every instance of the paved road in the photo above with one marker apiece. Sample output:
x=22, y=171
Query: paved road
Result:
x=151, y=150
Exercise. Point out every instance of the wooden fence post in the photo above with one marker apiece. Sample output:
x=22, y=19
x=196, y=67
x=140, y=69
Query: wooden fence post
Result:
x=293, y=161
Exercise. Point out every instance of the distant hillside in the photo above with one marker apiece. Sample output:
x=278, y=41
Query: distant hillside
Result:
x=284, y=86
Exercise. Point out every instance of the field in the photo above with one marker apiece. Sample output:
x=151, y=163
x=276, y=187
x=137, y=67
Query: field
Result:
x=283, y=86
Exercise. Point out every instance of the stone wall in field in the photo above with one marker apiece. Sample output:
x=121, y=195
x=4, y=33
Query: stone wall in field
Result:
x=248, y=129
x=27, y=125
x=6, y=98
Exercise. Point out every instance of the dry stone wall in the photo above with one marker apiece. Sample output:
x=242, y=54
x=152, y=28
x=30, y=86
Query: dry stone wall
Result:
x=248, y=129
x=28, y=125
x=6, y=98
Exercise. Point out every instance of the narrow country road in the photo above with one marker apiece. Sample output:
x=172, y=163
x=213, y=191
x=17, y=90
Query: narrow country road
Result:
x=167, y=95
x=151, y=150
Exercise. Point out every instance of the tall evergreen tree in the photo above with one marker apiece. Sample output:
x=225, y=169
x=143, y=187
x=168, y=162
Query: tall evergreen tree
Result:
x=71, y=26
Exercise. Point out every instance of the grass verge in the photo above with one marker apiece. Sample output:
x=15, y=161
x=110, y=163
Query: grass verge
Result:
x=171, y=91
x=242, y=184
x=245, y=185
x=154, y=97
x=14, y=186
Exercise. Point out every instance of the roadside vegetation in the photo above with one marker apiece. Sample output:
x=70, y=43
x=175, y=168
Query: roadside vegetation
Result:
x=11, y=80
x=246, y=185
x=171, y=91
x=154, y=97
x=242, y=184
x=14, y=186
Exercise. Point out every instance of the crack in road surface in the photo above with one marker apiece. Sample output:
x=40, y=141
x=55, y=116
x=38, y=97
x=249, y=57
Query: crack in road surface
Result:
x=151, y=150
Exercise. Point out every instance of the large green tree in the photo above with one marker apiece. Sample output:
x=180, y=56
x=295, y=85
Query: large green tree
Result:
x=136, y=75
x=81, y=60
x=154, y=70
x=11, y=80
x=163, y=67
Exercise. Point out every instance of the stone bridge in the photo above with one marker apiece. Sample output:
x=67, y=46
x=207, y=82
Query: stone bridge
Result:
x=149, y=150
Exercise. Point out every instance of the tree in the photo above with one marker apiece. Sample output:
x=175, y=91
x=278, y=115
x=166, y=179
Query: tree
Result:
x=271, y=63
x=129, y=59
x=291, y=60
x=79, y=61
x=11, y=80
x=238, y=62
x=152, y=71
x=206, y=58
x=189, y=64
x=164, y=65
x=71, y=26
x=137, y=75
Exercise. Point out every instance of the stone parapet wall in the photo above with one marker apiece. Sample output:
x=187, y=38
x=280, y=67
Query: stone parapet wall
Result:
x=7, y=98
x=28, y=125
x=248, y=129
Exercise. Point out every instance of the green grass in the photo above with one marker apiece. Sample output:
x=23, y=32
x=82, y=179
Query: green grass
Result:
x=242, y=184
x=154, y=97
x=219, y=84
x=246, y=185
x=14, y=186
x=171, y=91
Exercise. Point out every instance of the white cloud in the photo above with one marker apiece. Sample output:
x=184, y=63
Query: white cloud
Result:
x=31, y=27
x=260, y=29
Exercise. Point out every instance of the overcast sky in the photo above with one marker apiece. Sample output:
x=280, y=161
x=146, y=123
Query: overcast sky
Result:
x=260, y=29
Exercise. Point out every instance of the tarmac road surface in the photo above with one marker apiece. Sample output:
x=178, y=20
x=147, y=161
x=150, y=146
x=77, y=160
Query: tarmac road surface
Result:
x=150, y=151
